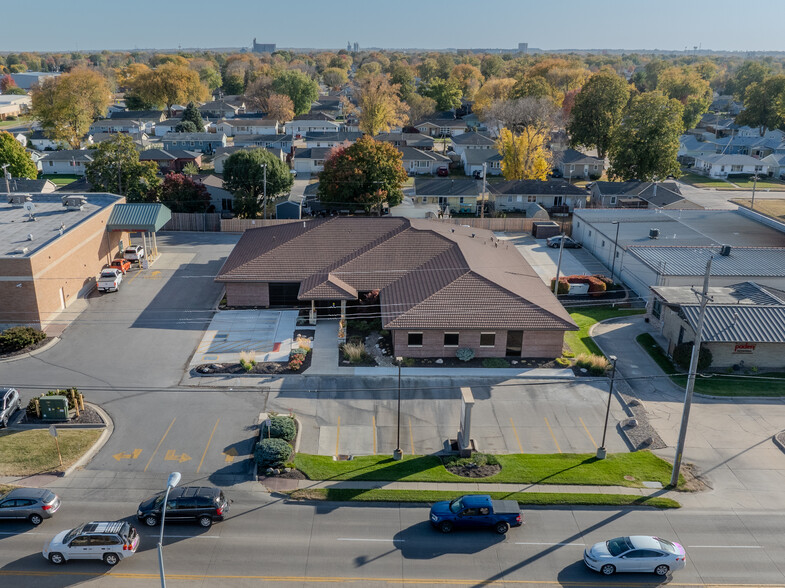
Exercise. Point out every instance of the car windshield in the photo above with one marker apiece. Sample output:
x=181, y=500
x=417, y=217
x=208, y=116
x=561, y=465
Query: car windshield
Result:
x=456, y=506
x=73, y=533
x=158, y=501
x=618, y=546
x=667, y=545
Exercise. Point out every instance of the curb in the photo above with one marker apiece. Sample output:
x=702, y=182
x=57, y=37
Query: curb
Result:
x=97, y=446
x=779, y=440
x=52, y=343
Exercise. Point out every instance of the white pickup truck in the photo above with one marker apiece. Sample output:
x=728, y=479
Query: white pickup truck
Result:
x=109, y=280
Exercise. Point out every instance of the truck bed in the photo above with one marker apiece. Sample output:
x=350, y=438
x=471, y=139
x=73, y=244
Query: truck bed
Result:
x=508, y=507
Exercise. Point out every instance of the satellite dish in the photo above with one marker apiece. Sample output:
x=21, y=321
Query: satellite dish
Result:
x=29, y=207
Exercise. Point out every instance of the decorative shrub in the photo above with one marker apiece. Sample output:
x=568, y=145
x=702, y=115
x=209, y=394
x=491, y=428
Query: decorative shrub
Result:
x=596, y=285
x=495, y=362
x=603, y=278
x=355, y=352
x=596, y=364
x=408, y=362
x=564, y=285
x=465, y=354
x=17, y=338
x=272, y=453
x=67, y=392
x=281, y=427
x=303, y=343
x=683, y=353
x=297, y=358
x=247, y=360
x=477, y=459
x=563, y=361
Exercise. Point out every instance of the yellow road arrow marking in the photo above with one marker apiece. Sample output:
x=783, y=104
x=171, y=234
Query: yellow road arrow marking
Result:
x=172, y=456
x=230, y=453
x=136, y=453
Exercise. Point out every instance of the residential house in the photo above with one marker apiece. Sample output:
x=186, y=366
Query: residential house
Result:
x=223, y=153
x=148, y=116
x=221, y=199
x=744, y=322
x=692, y=146
x=472, y=140
x=310, y=160
x=204, y=142
x=36, y=157
x=39, y=141
x=28, y=79
x=722, y=166
x=717, y=124
x=141, y=140
x=745, y=145
x=555, y=196
x=776, y=163
x=726, y=103
x=219, y=109
x=171, y=161
x=635, y=194
x=416, y=140
x=21, y=139
x=416, y=161
x=312, y=123
x=27, y=186
x=122, y=125
x=441, y=287
x=330, y=139
x=170, y=124
x=574, y=164
x=282, y=142
x=247, y=126
x=441, y=127
x=475, y=160
x=14, y=105
x=67, y=161
x=455, y=195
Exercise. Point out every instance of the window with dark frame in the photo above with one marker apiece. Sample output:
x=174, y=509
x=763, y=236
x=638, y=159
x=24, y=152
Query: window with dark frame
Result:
x=451, y=339
x=487, y=339
x=415, y=340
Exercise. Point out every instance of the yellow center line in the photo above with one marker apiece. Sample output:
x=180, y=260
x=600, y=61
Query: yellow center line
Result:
x=135, y=275
x=215, y=426
x=337, y=436
x=518, y=439
x=159, y=445
x=547, y=424
x=411, y=435
x=587, y=432
x=373, y=425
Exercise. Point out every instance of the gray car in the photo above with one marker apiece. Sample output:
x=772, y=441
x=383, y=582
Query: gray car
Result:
x=33, y=504
x=10, y=402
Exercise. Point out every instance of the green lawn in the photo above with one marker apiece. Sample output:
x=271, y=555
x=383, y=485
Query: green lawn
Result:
x=768, y=384
x=12, y=123
x=579, y=341
x=61, y=179
x=523, y=498
x=523, y=468
x=700, y=181
x=23, y=453
x=763, y=184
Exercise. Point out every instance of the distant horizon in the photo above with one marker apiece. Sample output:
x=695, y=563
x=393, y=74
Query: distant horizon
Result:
x=668, y=26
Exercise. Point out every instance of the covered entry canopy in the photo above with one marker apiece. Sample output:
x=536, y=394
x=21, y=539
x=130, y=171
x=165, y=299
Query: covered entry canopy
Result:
x=138, y=217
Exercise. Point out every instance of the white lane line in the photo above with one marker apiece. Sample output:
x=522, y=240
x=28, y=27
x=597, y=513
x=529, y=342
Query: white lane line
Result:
x=22, y=533
x=358, y=539
x=725, y=546
x=186, y=536
x=565, y=544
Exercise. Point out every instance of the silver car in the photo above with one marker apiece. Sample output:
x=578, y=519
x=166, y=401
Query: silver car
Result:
x=9, y=404
x=33, y=504
x=637, y=553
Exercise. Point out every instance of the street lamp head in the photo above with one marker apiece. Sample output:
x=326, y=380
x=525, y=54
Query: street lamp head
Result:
x=615, y=222
x=613, y=358
x=174, y=479
x=399, y=359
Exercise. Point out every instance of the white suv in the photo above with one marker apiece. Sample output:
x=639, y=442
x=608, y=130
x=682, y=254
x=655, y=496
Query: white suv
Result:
x=110, y=541
x=134, y=253
x=9, y=404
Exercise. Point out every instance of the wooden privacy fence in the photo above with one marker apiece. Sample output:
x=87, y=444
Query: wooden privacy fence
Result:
x=240, y=225
x=194, y=221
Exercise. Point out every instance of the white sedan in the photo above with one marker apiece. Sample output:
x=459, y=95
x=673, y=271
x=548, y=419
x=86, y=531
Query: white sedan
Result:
x=637, y=553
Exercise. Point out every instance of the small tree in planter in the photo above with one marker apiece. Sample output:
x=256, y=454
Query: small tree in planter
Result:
x=281, y=427
x=465, y=354
x=272, y=453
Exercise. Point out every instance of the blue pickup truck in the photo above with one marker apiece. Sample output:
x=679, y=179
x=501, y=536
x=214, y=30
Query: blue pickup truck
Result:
x=475, y=511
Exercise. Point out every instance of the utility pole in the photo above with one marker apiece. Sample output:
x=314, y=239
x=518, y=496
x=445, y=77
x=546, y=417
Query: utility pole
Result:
x=558, y=265
x=754, y=184
x=119, y=177
x=685, y=417
x=482, y=198
x=264, y=199
x=5, y=176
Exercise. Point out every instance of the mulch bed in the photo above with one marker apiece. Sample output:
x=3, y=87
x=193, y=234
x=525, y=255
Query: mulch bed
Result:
x=261, y=368
x=28, y=349
x=454, y=362
x=472, y=471
x=88, y=416
x=292, y=474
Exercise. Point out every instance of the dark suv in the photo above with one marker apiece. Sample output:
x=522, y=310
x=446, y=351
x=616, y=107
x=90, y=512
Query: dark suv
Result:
x=202, y=504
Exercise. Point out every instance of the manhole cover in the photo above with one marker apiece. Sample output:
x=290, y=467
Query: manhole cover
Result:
x=629, y=478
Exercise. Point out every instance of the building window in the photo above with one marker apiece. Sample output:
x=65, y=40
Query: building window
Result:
x=532, y=198
x=758, y=168
x=460, y=200
x=451, y=339
x=509, y=198
x=226, y=204
x=424, y=200
x=737, y=168
x=415, y=340
x=656, y=308
x=603, y=243
x=613, y=199
x=487, y=339
x=589, y=233
x=318, y=161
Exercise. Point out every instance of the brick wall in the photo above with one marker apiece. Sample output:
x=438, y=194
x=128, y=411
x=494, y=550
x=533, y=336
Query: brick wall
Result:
x=247, y=294
x=535, y=343
x=545, y=344
x=18, y=304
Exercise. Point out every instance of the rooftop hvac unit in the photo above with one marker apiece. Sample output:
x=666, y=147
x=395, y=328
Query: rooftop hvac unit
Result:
x=74, y=202
x=18, y=200
x=654, y=233
x=725, y=250
x=22, y=251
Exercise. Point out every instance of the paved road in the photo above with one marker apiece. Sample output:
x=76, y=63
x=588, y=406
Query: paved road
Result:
x=269, y=542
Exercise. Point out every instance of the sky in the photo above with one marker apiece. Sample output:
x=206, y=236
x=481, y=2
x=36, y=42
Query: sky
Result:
x=425, y=24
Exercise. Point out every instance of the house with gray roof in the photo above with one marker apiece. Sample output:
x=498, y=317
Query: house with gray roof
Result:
x=247, y=126
x=310, y=160
x=282, y=142
x=453, y=195
x=153, y=116
x=122, y=125
x=315, y=122
x=204, y=142
x=474, y=160
x=171, y=161
x=472, y=140
x=723, y=166
x=416, y=140
x=553, y=196
x=317, y=139
x=66, y=161
x=417, y=162
x=218, y=109
x=441, y=127
x=574, y=164
x=636, y=194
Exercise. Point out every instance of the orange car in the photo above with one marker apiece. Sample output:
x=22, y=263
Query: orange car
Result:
x=122, y=264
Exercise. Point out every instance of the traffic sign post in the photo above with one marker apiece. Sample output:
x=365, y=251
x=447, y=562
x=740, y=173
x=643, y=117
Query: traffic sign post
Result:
x=53, y=433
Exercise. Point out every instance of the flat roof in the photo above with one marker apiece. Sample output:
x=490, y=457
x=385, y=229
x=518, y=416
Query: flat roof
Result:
x=49, y=215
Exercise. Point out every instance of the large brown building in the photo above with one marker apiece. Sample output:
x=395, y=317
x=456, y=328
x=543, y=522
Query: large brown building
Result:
x=52, y=247
x=441, y=287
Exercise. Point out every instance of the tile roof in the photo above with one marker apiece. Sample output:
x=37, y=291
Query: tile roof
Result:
x=431, y=275
x=738, y=323
x=557, y=186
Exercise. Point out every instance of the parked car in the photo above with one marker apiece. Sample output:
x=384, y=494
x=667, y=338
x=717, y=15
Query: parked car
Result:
x=33, y=504
x=11, y=402
x=134, y=253
x=475, y=511
x=443, y=171
x=637, y=553
x=110, y=280
x=569, y=243
x=110, y=541
x=201, y=504
x=477, y=174
x=120, y=263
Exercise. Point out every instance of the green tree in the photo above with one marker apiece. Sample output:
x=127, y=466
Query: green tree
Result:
x=598, y=110
x=186, y=126
x=364, y=175
x=764, y=105
x=299, y=87
x=15, y=90
x=688, y=87
x=210, y=77
x=535, y=87
x=446, y=94
x=116, y=168
x=182, y=193
x=334, y=77
x=20, y=164
x=645, y=144
x=168, y=84
x=244, y=176
x=491, y=66
x=468, y=78
x=192, y=114
x=403, y=76
x=750, y=72
x=380, y=107
x=234, y=84
x=427, y=70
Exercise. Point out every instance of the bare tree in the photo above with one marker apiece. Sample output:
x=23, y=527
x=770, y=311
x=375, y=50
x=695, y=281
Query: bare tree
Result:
x=258, y=92
x=536, y=114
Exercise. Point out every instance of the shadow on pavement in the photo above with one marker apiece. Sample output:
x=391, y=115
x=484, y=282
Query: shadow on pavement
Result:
x=578, y=574
x=421, y=541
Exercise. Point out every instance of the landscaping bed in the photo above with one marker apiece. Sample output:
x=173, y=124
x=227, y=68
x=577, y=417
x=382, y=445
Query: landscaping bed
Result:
x=479, y=362
x=19, y=340
x=275, y=449
x=88, y=416
x=25, y=453
x=299, y=360
x=479, y=465
x=33, y=347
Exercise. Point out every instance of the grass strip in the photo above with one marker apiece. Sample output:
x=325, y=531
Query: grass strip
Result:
x=5, y=488
x=519, y=468
x=24, y=453
x=523, y=498
x=769, y=384
x=580, y=341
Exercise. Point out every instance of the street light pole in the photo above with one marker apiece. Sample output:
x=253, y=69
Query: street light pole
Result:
x=5, y=175
x=601, y=452
x=754, y=184
x=264, y=199
x=174, y=479
x=398, y=453
x=615, y=243
x=558, y=265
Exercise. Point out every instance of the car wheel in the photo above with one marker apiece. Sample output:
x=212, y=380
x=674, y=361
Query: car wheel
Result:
x=661, y=570
x=56, y=558
x=445, y=527
x=150, y=521
x=4, y=422
x=608, y=569
x=502, y=528
x=205, y=521
x=111, y=559
x=36, y=519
